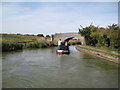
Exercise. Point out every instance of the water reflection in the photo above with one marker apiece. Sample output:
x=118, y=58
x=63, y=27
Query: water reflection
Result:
x=92, y=60
x=43, y=68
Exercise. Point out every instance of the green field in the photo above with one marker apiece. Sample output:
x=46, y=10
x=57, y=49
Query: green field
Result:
x=11, y=42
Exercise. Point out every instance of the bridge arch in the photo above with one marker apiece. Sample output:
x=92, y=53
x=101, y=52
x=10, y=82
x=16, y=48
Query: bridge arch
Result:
x=63, y=36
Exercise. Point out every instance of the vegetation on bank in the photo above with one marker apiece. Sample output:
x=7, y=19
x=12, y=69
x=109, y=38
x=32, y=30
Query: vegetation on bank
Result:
x=103, y=42
x=102, y=37
x=11, y=42
x=101, y=50
x=103, y=53
x=75, y=42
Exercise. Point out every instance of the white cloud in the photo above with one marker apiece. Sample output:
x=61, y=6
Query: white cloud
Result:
x=49, y=19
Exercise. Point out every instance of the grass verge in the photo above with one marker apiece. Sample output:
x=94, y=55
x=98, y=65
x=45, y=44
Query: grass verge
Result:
x=106, y=54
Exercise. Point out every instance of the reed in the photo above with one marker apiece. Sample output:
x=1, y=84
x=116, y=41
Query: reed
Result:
x=12, y=42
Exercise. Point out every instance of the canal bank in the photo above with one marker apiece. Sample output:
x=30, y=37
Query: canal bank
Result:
x=111, y=56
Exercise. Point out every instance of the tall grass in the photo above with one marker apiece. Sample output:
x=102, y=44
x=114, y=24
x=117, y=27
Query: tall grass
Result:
x=20, y=46
x=41, y=44
x=11, y=46
x=12, y=42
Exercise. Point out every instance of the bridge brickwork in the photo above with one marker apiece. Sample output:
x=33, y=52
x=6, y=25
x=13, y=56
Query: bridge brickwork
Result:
x=63, y=36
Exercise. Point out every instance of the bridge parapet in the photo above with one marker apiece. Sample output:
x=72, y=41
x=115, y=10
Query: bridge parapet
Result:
x=63, y=36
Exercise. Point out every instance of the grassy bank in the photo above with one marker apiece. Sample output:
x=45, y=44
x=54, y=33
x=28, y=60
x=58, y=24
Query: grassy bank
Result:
x=106, y=53
x=12, y=42
x=75, y=42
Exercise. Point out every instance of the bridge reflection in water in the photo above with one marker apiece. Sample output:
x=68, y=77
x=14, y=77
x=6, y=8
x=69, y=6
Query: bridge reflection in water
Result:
x=43, y=68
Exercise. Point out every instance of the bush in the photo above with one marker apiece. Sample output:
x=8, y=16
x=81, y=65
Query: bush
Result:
x=40, y=35
x=47, y=36
x=11, y=46
x=102, y=37
x=75, y=43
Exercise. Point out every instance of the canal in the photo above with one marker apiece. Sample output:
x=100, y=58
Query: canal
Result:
x=42, y=68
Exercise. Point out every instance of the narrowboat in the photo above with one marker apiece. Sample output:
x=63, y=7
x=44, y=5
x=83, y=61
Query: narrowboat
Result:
x=64, y=47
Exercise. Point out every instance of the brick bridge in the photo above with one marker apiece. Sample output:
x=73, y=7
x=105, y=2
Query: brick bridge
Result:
x=63, y=36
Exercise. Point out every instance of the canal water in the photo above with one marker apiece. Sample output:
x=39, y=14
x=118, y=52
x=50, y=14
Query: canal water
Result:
x=42, y=68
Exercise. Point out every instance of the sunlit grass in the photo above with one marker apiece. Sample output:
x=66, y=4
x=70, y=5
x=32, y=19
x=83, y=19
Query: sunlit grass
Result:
x=11, y=42
x=101, y=50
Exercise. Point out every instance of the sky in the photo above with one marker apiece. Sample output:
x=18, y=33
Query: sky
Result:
x=55, y=17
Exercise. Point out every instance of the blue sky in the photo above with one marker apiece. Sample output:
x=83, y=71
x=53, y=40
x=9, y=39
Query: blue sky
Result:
x=56, y=17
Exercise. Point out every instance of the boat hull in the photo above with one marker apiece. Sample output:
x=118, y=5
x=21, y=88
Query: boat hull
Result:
x=63, y=52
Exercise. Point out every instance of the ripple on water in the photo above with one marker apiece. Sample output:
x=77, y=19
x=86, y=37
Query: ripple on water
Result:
x=42, y=68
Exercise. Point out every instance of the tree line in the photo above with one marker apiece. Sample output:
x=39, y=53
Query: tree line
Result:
x=101, y=37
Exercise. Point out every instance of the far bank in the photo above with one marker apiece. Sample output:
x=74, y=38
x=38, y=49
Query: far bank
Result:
x=13, y=42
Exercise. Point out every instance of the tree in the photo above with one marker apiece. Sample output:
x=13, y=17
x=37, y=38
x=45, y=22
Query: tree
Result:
x=40, y=35
x=100, y=36
x=47, y=36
